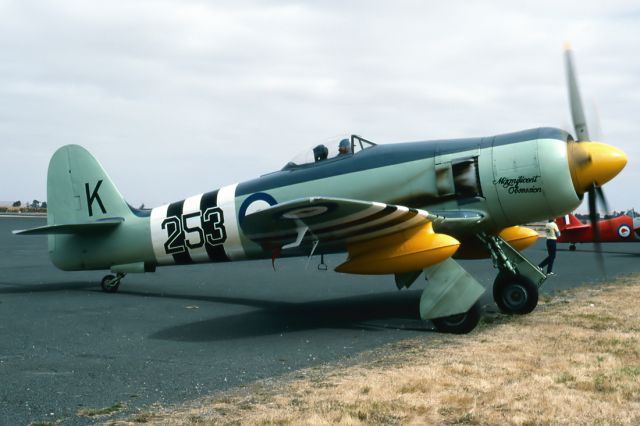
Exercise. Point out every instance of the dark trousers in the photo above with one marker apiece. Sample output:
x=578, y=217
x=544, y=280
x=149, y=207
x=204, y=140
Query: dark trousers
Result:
x=551, y=250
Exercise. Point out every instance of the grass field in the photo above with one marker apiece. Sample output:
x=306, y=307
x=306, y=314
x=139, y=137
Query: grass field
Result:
x=574, y=360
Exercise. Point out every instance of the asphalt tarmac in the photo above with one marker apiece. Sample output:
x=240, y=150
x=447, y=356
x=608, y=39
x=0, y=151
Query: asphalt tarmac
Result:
x=184, y=332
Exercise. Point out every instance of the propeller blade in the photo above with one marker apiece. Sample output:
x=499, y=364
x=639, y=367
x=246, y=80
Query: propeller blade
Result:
x=596, y=124
x=593, y=215
x=602, y=199
x=593, y=218
x=588, y=162
x=575, y=101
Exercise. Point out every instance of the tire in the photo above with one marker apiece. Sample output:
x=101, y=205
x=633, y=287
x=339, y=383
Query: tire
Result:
x=107, y=284
x=461, y=323
x=515, y=294
x=572, y=247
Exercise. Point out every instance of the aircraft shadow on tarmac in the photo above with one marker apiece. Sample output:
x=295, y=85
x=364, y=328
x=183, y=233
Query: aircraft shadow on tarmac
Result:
x=370, y=312
x=390, y=310
x=12, y=288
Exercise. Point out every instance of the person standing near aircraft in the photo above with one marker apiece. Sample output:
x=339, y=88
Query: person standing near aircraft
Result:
x=552, y=233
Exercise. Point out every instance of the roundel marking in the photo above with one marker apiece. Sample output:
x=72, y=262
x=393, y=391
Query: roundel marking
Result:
x=309, y=211
x=254, y=203
x=305, y=212
x=624, y=231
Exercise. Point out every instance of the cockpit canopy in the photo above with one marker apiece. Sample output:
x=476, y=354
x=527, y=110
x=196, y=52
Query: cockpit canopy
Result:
x=332, y=149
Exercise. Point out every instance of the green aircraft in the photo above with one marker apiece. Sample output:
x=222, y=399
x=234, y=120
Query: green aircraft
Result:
x=403, y=209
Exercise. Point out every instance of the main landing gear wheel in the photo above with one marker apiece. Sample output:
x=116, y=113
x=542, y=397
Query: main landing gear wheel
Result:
x=572, y=247
x=515, y=294
x=460, y=323
x=111, y=283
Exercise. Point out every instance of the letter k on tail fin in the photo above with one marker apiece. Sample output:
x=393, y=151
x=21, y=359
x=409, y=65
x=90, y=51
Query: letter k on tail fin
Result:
x=79, y=190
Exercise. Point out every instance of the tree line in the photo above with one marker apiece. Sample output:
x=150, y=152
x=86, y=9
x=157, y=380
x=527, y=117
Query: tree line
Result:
x=35, y=204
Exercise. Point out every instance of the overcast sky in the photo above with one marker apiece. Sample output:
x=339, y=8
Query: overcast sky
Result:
x=180, y=97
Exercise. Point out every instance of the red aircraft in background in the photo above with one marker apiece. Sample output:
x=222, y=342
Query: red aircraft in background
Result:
x=623, y=228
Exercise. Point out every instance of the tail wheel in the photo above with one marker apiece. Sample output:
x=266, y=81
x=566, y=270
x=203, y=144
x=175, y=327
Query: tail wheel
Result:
x=572, y=247
x=460, y=323
x=515, y=294
x=110, y=283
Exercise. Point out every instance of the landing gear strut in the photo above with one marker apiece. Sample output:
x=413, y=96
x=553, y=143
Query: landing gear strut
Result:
x=460, y=323
x=515, y=289
x=110, y=283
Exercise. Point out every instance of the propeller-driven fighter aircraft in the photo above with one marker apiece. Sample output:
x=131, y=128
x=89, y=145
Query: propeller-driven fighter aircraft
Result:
x=403, y=209
x=620, y=229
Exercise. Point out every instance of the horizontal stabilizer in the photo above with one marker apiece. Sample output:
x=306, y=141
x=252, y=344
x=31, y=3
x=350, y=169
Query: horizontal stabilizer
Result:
x=74, y=228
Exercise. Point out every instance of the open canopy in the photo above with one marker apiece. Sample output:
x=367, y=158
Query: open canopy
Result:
x=332, y=149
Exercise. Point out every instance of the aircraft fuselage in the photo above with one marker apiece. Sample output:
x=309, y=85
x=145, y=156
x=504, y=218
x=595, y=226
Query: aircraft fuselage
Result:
x=509, y=179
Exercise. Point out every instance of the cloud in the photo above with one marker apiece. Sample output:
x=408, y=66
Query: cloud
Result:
x=177, y=98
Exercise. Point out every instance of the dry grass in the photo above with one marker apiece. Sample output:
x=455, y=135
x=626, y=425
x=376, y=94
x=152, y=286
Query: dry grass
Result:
x=105, y=411
x=575, y=360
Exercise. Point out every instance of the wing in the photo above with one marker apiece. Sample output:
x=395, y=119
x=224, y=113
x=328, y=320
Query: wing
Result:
x=330, y=220
x=380, y=238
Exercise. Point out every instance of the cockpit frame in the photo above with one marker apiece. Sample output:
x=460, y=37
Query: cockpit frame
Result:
x=321, y=153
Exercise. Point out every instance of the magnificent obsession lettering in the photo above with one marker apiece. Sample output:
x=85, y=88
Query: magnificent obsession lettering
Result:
x=512, y=185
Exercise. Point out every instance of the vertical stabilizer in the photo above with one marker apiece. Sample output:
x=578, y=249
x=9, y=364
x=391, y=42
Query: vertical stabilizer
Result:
x=79, y=190
x=568, y=221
